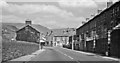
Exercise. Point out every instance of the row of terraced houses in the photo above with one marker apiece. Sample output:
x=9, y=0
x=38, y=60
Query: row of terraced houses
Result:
x=100, y=34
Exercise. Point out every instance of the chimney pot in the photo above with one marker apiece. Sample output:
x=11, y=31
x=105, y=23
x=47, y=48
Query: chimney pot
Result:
x=28, y=22
x=99, y=11
x=109, y=3
x=83, y=22
x=87, y=19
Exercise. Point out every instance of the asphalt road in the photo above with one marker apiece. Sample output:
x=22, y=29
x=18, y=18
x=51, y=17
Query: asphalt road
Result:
x=69, y=56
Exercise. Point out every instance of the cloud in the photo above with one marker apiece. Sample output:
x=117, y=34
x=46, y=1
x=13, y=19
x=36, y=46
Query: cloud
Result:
x=12, y=18
x=3, y=3
x=77, y=3
x=56, y=0
x=105, y=0
x=50, y=16
x=0, y=16
x=31, y=0
x=29, y=9
x=58, y=22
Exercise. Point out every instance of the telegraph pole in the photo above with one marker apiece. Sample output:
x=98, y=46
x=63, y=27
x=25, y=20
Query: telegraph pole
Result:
x=73, y=42
x=73, y=38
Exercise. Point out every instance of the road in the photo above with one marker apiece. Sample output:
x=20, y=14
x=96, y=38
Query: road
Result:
x=62, y=54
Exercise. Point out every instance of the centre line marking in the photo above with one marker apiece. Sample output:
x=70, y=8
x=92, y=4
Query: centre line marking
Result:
x=70, y=57
x=65, y=54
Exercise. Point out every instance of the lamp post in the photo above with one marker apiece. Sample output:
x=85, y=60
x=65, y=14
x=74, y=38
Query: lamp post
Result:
x=73, y=38
x=72, y=34
x=72, y=43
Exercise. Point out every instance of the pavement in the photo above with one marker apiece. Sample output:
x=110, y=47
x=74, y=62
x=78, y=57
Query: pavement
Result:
x=28, y=57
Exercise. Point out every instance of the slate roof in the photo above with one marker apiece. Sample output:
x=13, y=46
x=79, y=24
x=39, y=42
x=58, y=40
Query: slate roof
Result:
x=35, y=28
x=38, y=27
x=60, y=32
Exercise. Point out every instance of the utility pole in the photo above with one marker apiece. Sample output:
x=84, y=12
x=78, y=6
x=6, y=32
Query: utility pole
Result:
x=73, y=42
x=73, y=38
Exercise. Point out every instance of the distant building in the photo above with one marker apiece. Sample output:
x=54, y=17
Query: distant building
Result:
x=61, y=40
x=28, y=33
x=49, y=38
x=61, y=36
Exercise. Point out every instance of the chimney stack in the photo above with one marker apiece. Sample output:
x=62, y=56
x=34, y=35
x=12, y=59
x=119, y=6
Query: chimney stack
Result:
x=83, y=22
x=87, y=19
x=93, y=15
x=99, y=11
x=28, y=22
x=109, y=3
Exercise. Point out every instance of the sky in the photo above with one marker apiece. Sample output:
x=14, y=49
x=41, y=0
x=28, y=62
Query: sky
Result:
x=50, y=13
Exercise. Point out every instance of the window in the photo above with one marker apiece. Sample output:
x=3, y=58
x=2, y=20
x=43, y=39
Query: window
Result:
x=118, y=9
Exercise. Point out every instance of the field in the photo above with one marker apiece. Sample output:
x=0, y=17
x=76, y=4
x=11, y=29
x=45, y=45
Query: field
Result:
x=12, y=49
x=15, y=49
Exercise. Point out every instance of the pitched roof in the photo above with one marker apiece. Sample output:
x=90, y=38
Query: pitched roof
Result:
x=63, y=32
x=33, y=26
x=38, y=27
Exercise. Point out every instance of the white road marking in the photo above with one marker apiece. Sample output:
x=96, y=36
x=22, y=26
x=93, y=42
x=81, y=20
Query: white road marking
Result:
x=70, y=57
x=65, y=54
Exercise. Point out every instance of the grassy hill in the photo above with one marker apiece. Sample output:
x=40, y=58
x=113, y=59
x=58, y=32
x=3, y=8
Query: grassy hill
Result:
x=8, y=31
x=20, y=25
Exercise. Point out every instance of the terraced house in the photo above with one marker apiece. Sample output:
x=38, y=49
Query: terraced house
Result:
x=29, y=32
x=101, y=34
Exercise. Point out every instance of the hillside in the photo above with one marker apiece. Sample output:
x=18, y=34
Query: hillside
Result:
x=8, y=31
x=20, y=25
